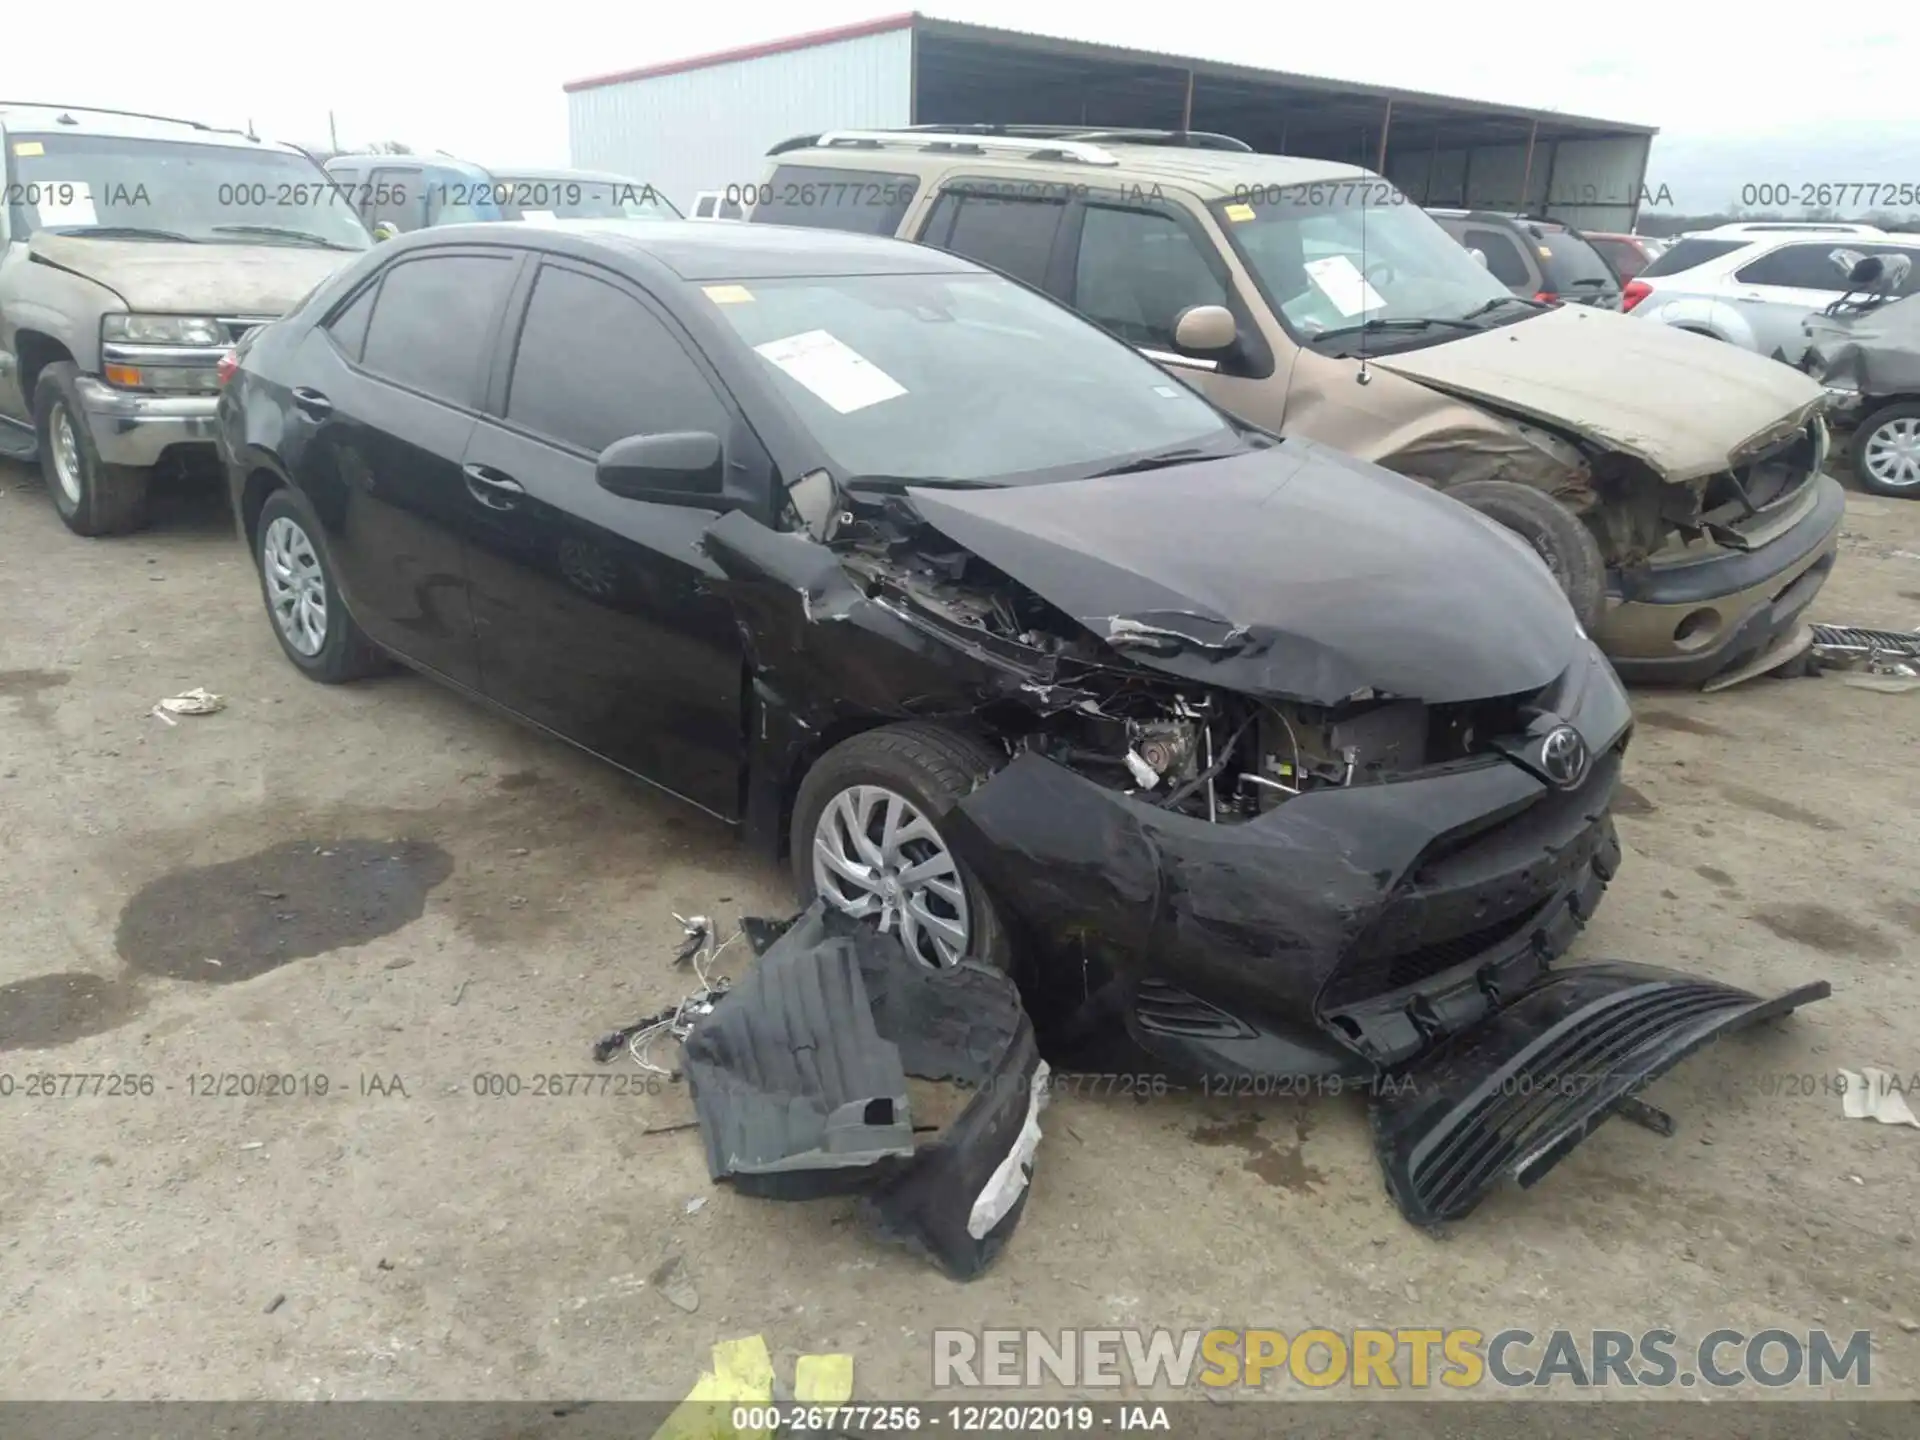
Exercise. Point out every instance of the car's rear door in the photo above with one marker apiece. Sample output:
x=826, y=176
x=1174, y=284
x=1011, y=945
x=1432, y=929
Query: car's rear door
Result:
x=592, y=616
x=383, y=399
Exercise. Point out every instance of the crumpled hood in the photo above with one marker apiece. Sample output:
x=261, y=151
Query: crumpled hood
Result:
x=1687, y=408
x=1878, y=351
x=176, y=279
x=1297, y=572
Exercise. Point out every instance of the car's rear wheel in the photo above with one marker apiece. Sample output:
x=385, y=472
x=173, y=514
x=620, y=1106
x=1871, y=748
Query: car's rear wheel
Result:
x=91, y=496
x=867, y=838
x=1555, y=533
x=303, y=604
x=1886, y=451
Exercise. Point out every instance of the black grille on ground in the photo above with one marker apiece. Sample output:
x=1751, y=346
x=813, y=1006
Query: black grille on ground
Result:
x=1851, y=638
x=1531, y=1098
x=1169, y=1010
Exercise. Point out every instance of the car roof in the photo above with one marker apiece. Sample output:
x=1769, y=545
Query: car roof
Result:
x=125, y=125
x=548, y=172
x=1211, y=174
x=698, y=250
x=440, y=162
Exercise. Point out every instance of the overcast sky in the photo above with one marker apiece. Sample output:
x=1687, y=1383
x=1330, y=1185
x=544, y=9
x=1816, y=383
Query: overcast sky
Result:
x=1789, y=101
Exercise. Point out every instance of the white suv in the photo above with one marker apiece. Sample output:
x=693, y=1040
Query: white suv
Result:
x=1754, y=284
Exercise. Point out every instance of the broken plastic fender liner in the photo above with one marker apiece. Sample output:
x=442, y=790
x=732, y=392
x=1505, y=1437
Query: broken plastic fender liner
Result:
x=1009, y=1179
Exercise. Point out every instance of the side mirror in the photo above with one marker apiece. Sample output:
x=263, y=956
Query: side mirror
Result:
x=1479, y=256
x=1204, y=328
x=679, y=468
x=385, y=230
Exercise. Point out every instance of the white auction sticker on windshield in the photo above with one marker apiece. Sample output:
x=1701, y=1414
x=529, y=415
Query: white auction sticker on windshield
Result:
x=1340, y=280
x=63, y=202
x=834, y=371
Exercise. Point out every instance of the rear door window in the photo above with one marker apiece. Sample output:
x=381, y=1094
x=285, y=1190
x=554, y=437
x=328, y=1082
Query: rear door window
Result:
x=432, y=326
x=397, y=197
x=1137, y=270
x=1504, y=260
x=1013, y=235
x=1812, y=267
x=868, y=202
x=1571, y=265
x=1686, y=254
x=594, y=366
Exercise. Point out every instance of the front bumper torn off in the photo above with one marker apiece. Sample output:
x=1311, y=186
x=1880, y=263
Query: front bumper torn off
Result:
x=1512, y=1096
x=799, y=1079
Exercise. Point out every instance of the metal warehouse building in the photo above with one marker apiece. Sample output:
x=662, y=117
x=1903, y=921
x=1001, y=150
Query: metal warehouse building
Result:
x=706, y=123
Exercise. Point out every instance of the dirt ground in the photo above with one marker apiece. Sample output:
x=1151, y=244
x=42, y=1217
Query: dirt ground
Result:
x=383, y=887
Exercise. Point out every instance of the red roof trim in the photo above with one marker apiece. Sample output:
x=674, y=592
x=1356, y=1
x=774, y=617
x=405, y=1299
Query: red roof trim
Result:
x=808, y=41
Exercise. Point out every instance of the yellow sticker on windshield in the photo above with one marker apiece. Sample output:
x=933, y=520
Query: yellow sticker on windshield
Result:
x=1238, y=212
x=29, y=147
x=728, y=294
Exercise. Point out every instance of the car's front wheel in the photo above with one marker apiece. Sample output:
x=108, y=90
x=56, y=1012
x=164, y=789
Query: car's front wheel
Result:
x=867, y=838
x=1886, y=451
x=1556, y=535
x=303, y=603
x=91, y=496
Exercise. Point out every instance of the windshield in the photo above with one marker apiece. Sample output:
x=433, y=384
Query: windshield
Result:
x=216, y=194
x=962, y=378
x=533, y=197
x=1331, y=256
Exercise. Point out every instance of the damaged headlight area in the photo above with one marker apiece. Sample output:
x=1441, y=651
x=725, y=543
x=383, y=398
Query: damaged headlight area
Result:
x=1202, y=751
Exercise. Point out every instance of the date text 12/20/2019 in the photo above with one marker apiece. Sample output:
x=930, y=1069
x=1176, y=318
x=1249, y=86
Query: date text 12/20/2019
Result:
x=911, y=1418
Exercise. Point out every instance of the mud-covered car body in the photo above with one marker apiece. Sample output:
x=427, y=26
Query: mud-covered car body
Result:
x=1358, y=322
x=1294, y=766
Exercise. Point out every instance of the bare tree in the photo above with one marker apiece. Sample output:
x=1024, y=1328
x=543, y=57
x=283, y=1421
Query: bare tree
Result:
x=389, y=147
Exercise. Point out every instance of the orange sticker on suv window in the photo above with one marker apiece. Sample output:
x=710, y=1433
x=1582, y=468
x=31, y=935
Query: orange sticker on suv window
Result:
x=728, y=294
x=29, y=147
x=1238, y=212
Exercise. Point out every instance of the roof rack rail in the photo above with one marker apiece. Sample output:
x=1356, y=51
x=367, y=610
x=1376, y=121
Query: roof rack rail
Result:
x=133, y=115
x=1096, y=134
x=952, y=140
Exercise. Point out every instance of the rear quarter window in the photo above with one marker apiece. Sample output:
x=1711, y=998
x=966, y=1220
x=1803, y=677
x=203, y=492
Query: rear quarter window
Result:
x=867, y=202
x=1686, y=254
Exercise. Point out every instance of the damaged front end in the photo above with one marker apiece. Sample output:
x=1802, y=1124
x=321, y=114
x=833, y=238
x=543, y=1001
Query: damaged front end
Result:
x=1307, y=773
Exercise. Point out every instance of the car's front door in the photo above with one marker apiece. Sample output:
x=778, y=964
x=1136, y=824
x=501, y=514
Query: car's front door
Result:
x=592, y=615
x=383, y=400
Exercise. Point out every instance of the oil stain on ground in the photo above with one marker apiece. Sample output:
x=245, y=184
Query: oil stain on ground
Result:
x=27, y=686
x=1629, y=801
x=224, y=923
x=46, y=1010
x=1685, y=724
x=1773, y=805
x=1827, y=931
x=1716, y=875
x=1281, y=1165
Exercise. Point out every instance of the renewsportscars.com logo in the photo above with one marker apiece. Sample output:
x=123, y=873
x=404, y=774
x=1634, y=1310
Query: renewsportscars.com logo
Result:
x=1415, y=1359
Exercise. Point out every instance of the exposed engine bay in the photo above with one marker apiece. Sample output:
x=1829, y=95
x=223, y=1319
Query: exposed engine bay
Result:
x=1195, y=750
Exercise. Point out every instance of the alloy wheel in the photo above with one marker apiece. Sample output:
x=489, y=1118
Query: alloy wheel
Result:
x=876, y=857
x=66, y=454
x=296, y=585
x=1893, y=453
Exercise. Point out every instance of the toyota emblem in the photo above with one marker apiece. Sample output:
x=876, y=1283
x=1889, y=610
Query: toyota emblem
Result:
x=1563, y=755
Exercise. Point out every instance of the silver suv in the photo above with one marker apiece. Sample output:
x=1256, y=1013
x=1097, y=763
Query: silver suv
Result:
x=134, y=252
x=1754, y=284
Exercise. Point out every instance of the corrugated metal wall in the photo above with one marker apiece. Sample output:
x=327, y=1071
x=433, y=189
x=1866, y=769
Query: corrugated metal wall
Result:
x=709, y=128
x=1589, y=184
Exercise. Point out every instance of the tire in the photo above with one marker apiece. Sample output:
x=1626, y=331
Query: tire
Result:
x=1894, y=423
x=929, y=767
x=321, y=640
x=1554, y=531
x=91, y=496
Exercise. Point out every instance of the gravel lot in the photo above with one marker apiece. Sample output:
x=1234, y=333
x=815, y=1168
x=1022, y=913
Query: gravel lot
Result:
x=403, y=892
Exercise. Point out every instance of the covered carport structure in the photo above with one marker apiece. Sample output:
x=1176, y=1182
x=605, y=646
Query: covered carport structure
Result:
x=1440, y=150
x=707, y=122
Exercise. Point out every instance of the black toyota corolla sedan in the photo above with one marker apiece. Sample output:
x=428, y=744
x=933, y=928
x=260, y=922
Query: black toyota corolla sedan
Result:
x=1020, y=647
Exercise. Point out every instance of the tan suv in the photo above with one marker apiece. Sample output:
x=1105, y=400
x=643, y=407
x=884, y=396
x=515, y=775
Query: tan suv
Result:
x=1673, y=485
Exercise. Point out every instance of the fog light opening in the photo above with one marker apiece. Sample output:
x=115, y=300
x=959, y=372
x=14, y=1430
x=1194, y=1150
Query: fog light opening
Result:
x=1699, y=628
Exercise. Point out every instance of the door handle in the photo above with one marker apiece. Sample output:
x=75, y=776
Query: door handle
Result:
x=312, y=403
x=491, y=488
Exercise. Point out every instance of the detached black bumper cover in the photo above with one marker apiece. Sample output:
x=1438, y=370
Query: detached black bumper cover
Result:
x=1513, y=1095
x=799, y=1078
